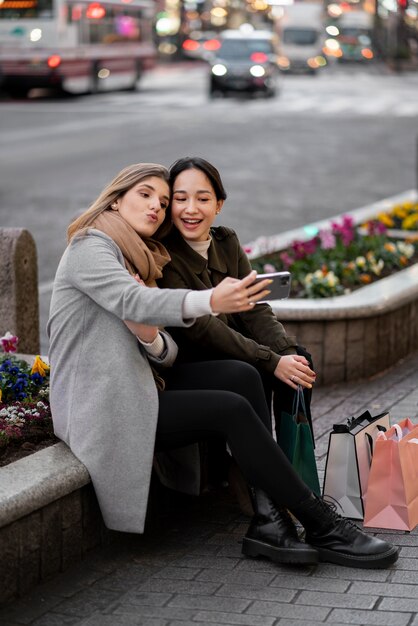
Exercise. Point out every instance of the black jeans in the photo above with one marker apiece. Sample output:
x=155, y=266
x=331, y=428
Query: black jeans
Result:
x=226, y=399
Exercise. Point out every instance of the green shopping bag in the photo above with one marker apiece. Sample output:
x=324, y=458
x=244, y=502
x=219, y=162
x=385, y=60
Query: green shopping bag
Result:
x=295, y=439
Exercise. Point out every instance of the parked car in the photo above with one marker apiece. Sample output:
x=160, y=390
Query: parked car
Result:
x=244, y=62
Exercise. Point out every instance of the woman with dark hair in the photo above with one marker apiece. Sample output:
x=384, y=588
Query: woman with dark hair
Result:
x=115, y=414
x=201, y=256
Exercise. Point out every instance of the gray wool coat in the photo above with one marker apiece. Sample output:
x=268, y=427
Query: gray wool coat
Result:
x=103, y=396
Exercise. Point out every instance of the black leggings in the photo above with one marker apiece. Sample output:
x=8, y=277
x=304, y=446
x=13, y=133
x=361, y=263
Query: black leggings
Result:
x=226, y=398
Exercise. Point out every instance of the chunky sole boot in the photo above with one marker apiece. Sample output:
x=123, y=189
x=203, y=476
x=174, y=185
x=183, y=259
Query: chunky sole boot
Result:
x=273, y=535
x=340, y=541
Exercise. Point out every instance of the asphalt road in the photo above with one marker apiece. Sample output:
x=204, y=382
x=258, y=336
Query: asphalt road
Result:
x=324, y=145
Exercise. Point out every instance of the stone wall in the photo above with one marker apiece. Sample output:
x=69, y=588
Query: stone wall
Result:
x=351, y=349
x=48, y=540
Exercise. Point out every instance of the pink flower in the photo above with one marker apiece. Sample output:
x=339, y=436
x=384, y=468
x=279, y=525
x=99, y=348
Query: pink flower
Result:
x=248, y=249
x=327, y=238
x=9, y=342
x=268, y=268
x=286, y=259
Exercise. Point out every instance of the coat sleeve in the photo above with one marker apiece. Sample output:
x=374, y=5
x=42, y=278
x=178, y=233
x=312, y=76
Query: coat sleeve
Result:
x=93, y=267
x=213, y=333
x=169, y=355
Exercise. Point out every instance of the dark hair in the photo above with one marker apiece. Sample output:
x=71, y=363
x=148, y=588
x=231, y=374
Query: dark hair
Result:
x=197, y=163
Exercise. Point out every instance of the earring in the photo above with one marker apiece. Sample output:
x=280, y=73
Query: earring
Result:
x=114, y=206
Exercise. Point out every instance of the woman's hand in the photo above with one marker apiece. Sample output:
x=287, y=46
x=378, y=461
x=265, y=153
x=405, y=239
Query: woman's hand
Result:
x=294, y=370
x=234, y=296
x=144, y=332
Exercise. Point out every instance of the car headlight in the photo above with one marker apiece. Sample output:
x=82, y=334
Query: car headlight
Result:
x=257, y=71
x=219, y=69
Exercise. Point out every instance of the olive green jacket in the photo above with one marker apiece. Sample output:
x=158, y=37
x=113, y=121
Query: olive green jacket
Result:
x=256, y=336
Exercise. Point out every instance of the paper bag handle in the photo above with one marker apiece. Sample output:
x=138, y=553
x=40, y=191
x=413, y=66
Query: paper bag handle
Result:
x=369, y=438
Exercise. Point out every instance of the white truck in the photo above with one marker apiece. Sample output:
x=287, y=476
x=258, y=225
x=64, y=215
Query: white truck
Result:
x=302, y=32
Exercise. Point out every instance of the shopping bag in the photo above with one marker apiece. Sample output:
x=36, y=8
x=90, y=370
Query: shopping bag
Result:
x=392, y=493
x=349, y=455
x=295, y=439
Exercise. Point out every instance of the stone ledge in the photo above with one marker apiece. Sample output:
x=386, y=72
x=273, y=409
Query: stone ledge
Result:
x=37, y=480
x=383, y=296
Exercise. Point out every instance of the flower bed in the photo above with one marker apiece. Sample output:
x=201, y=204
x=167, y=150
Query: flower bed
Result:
x=356, y=334
x=25, y=414
x=342, y=257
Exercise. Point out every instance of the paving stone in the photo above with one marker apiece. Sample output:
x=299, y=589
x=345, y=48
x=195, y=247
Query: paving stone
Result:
x=327, y=570
x=405, y=577
x=87, y=602
x=278, y=609
x=142, y=598
x=312, y=583
x=399, y=604
x=210, y=603
x=56, y=619
x=229, y=618
x=297, y=622
x=237, y=576
x=160, y=612
x=179, y=586
x=349, y=600
x=372, y=618
x=251, y=592
x=123, y=620
x=179, y=573
x=129, y=577
x=209, y=562
x=385, y=589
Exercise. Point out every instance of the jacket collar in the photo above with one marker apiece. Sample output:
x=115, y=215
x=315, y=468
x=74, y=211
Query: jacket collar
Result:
x=198, y=264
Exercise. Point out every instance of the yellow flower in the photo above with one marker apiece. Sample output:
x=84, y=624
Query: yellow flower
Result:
x=390, y=247
x=1, y=393
x=365, y=278
x=385, y=219
x=400, y=211
x=410, y=222
x=39, y=367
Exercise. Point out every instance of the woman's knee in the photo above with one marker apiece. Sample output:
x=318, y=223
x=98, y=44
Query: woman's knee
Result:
x=247, y=375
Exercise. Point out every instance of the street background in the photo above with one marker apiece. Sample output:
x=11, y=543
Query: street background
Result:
x=324, y=145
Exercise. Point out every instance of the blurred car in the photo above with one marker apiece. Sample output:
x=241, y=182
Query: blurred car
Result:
x=244, y=62
x=200, y=45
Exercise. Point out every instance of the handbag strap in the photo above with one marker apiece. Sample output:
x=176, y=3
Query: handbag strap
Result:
x=299, y=405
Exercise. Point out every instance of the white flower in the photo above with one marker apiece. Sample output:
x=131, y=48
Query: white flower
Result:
x=406, y=248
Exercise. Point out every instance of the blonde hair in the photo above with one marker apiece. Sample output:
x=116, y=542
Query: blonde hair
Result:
x=123, y=182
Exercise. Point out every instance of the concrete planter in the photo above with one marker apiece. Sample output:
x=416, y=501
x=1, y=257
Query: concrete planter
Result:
x=356, y=335
x=49, y=518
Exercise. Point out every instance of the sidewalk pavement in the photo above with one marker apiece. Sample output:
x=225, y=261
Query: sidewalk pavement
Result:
x=188, y=569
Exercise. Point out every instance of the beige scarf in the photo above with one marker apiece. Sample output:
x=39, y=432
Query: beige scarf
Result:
x=145, y=257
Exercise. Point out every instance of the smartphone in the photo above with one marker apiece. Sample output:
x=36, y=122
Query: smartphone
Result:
x=279, y=288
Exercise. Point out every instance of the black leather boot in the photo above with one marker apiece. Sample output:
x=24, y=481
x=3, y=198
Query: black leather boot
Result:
x=273, y=534
x=340, y=541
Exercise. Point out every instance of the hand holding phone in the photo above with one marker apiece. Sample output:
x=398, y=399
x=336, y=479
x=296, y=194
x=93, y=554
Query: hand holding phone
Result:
x=280, y=286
